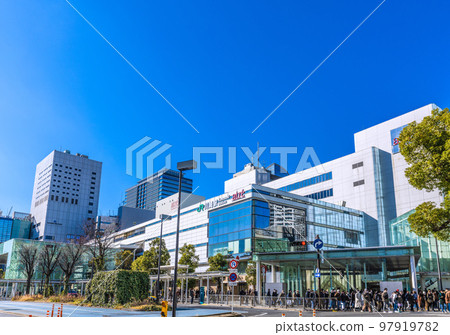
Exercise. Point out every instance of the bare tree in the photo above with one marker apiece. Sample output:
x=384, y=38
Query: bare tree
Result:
x=28, y=258
x=69, y=259
x=48, y=261
x=100, y=244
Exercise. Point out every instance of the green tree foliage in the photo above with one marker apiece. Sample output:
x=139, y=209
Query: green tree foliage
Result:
x=426, y=148
x=188, y=257
x=109, y=288
x=250, y=272
x=123, y=260
x=2, y=274
x=217, y=263
x=149, y=260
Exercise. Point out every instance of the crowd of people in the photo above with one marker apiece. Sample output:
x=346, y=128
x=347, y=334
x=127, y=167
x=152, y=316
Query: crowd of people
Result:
x=366, y=300
x=370, y=300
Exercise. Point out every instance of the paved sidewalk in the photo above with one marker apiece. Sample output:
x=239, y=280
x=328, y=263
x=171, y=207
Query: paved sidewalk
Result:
x=15, y=308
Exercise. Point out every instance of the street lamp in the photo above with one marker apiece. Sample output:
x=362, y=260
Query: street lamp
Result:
x=181, y=166
x=162, y=217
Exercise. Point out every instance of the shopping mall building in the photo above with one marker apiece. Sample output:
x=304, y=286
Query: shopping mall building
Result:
x=352, y=203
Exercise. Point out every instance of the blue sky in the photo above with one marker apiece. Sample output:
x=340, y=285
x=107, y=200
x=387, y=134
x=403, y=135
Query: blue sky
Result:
x=224, y=65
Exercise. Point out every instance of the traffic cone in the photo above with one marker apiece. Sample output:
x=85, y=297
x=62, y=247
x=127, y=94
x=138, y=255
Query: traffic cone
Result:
x=48, y=313
x=314, y=312
x=283, y=315
x=300, y=313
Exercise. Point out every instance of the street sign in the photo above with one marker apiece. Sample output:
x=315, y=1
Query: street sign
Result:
x=317, y=273
x=230, y=283
x=318, y=243
x=233, y=270
x=233, y=264
x=263, y=269
x=233, y=277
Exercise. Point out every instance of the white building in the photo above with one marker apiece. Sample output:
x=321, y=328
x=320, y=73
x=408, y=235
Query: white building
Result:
x=372, y=179
x=65, y=195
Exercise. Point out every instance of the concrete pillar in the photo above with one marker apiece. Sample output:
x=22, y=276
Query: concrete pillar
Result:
x=221, y=290
x=207, y=290
x=187, y=290
x=274, y=274
x=365, y=276
x=181, y=290
x=347, y=278
x=258, y=279
x=412, y=264
x=383, y=270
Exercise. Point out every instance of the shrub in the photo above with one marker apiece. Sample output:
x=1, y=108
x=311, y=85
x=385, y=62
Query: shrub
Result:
x=109, y=288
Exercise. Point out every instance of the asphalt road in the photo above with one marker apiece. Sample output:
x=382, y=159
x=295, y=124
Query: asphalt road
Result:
x=266, y=312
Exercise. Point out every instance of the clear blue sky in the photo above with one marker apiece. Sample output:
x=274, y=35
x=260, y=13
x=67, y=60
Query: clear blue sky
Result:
x=225, y=65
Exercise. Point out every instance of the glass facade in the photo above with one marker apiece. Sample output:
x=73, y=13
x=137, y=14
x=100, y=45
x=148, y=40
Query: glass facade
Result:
x=6, y=225
x=402, y=235
x=269, y=225
x=159, y=186
x=307, y=182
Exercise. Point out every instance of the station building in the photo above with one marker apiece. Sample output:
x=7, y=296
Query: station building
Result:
x=349, y=202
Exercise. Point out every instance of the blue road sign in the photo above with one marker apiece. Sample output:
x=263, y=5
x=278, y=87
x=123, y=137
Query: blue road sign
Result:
x=318, y=243
x=317, y=273
x=233, y=277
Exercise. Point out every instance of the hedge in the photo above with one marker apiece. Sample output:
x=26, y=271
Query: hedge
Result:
x=109, y=288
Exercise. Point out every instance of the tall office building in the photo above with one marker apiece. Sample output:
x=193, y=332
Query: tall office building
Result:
x=65, y=195
x=159, y=186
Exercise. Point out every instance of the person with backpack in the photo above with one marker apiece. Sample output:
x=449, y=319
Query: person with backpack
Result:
x=394, y=298
x=367, y=301
x=385, y=297
x=442, y=305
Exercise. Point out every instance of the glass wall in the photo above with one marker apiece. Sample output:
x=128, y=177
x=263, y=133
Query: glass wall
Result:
x=6, y=225
x=230, y=229
x=402, y=235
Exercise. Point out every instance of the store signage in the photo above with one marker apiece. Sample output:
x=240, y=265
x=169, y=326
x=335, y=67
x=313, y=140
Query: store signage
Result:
x=395, y=134
x=213, y=203
x=239, y=195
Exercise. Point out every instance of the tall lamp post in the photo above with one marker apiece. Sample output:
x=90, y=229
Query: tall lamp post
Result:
x=162, y=217
x=181, y=166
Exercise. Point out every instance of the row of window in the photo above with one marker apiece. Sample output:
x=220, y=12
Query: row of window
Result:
x=358, y=183
x=321, y=194
x=357, y=165
x=307, y=182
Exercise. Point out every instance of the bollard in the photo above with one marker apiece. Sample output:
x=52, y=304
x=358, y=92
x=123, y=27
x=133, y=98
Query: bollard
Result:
x=59, y=311
x=53, y=308
x=30, y=316
x=300, y=313
x=48, y=313
x=283, y=315
x=314, y=312
x=62, y=310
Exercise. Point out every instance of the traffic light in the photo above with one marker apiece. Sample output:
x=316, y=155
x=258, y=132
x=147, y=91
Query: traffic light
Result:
x=164, y=306
x=301, y=245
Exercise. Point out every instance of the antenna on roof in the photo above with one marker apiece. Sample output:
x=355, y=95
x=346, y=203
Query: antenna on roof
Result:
x=257, y=155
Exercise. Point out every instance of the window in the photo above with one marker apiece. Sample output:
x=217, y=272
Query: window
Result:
x=91, y=204
x=357, y=165
x=307, y=182
x=89, y=212
x=62, y=199
x=52, y=197
x=56, y=198
x=358, y=183
x=76, y=201
x=49, y=237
